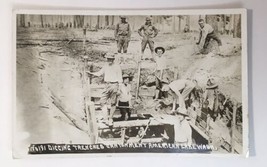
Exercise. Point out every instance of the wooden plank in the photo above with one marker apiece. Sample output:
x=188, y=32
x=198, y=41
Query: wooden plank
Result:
x=92, y=121
x=199, y=130
x=233, y=128
x=131, y=140
x=57, y=102
x=138, y=80
x=147, y=91
x=131, y=123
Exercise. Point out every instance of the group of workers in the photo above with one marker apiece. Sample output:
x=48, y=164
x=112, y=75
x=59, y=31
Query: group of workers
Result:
x=148, y=32
x=117, y=92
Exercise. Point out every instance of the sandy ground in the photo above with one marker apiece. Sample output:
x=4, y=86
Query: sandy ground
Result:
x=39, y=121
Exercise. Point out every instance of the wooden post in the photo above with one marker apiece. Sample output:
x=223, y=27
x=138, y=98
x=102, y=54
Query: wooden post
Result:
x=138, y=79
x=92, y=123
x=84, y=37
x=123, y=130
x=89, y=106
x=233, y=127
x=175, y=73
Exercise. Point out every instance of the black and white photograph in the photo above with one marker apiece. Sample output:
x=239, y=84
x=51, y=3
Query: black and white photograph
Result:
x=130, y=81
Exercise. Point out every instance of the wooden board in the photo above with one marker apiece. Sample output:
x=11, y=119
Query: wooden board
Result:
x=131, y=140
x=132, y=123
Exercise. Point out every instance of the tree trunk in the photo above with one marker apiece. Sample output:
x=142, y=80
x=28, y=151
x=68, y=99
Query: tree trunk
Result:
x=212, y=20
x=224, y=22
x=22, y=20
x=106, y=21
x=179, y=26
x=112, y=20
x=97, y=22
x=90, y=22
x=42, y=21
x=188, y=21
x=161, y=23
x=133, y=24
x=173, y=24
x=82, y=21
x=237, y=26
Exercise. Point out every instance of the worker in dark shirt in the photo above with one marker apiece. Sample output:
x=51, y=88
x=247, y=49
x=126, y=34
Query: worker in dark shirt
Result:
x=148, y=32
x=122, y=35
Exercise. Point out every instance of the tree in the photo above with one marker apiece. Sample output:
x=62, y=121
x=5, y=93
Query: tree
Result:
x=173, y=24
x=112, y=20
x=179, y=26
x=106, y=21
x=97, y=22
x=212, y=20
x=237, y=26
x=22, y=20
x=188, y=21
x=42, y=21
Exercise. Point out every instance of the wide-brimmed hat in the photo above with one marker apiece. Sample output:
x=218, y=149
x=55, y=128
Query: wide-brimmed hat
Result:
x=181, y=111
x=159, y=48
x=165, y=80
x=211, y=84
x=110, y=56
x=127, y=76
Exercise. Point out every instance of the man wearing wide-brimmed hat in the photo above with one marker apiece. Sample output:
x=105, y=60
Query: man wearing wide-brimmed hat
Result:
x=122, y=35
x=211, y=94
x=161, y=61
x=182, y=128
x=148, y=32
x=113, y=77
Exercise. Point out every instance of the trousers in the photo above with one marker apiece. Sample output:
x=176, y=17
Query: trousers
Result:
x=147, y=41
x=122, y=43
x=213, y=36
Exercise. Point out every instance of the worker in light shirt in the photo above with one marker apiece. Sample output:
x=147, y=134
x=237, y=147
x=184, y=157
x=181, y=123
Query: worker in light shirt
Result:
x=113, y=77
x=161, y=67
x=182, y=128
x=124, y=99
x=206, y=34
x=179, y=90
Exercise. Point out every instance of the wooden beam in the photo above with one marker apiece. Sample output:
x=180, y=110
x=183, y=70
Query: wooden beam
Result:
x=57, y=102
x=131, y=140
x=233, y=127
x=131, y=123
x=199, y=130
x=92, y=122
x=138, y=79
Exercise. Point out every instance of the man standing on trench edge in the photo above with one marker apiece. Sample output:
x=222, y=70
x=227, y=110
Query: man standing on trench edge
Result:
x=148, y=32
x=122, y=35
x=113, y=78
